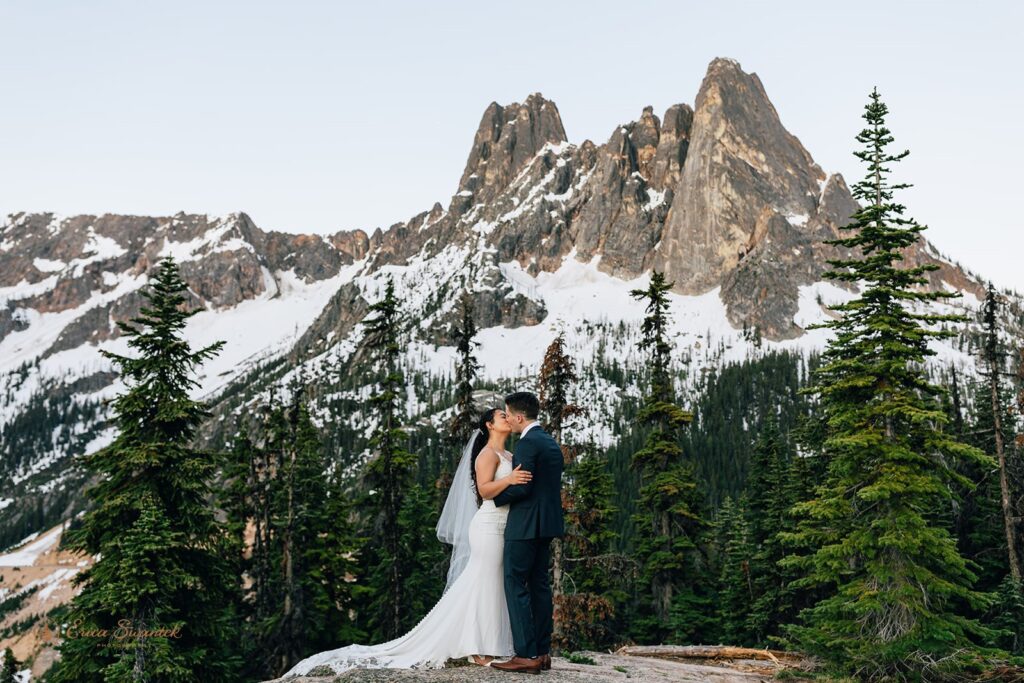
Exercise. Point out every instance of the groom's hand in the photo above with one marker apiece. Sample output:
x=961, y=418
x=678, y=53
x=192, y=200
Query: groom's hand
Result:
x=519, y=475
x=526, y=458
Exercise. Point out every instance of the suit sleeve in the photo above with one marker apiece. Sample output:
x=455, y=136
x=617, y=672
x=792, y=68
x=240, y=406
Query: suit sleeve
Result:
x=525, y=455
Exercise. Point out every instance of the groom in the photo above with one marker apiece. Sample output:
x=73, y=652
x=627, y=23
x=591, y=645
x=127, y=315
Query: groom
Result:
x=534, y=518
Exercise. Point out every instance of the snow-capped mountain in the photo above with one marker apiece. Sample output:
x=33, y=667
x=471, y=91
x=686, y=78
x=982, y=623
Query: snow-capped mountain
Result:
x=546, y=234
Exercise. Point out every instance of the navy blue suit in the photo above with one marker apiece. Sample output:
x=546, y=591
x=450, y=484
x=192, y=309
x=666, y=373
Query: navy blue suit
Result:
x=534, y=518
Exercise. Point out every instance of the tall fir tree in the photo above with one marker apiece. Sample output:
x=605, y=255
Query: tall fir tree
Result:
x=956, y=405
x=252, y=478
x=669, y=520
x=162, y=553
x=770, y=492
x=235, y=496
x=556, y=375
x=994, y=357
x=580, y=560
x=803, y=475
x=979, y=539
x=388, y=472
x=735, y=580
x=996, y=548
x=464, y=336
x=893, y=575
x=273, y=632
x=465, y=414
x=296, y=577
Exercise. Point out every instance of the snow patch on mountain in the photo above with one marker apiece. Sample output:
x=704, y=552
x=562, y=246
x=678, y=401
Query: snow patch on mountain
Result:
x=261, y=328
x=44, y=265
x=27, y=554
x=211, y=241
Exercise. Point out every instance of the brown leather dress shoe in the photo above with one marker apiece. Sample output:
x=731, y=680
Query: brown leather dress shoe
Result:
x=545, y=662
x=519, y=664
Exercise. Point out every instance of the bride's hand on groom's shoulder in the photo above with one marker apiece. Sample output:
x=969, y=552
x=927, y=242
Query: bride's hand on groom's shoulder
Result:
x=519, y=475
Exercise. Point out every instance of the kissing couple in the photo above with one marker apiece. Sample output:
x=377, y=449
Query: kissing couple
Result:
x=502, y=512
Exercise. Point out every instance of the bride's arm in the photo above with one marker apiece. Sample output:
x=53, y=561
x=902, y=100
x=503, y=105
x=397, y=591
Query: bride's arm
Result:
x=486, y=467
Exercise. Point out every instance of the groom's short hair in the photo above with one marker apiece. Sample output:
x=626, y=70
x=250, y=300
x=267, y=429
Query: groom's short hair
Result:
x=524, y=402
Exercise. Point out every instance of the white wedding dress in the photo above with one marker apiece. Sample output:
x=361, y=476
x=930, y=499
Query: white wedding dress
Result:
x=470, y=618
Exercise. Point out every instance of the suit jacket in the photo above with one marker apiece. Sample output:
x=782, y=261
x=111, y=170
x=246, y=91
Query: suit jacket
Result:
x=535, y=508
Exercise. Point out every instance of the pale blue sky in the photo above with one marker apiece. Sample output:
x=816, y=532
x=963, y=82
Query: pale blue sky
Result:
x=316, y=116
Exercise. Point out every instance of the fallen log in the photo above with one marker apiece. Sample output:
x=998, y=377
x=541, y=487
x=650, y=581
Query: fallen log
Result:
x=742, y=658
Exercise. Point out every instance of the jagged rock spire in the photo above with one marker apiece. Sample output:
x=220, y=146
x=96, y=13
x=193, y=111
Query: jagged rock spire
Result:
x=741, y=164
x=507, y=139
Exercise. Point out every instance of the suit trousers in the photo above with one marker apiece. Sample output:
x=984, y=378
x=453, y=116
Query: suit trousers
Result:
x=528, y=594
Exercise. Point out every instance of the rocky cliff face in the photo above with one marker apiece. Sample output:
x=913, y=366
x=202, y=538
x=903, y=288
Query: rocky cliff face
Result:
x=630, y=190
x=745, y=174
x=507, y=139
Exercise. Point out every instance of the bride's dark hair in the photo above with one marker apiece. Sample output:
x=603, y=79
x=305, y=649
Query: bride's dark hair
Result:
x=478, y=445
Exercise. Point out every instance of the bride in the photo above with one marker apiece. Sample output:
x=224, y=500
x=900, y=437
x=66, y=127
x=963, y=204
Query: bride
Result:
x=471, y=618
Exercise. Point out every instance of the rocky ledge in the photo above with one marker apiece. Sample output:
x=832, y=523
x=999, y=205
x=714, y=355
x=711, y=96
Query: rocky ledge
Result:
x=679, y=664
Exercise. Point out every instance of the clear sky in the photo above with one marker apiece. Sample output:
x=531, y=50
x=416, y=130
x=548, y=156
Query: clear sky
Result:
x=320, y=116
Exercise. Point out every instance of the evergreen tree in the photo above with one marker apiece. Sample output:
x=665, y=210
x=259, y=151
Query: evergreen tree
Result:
x=981, y=540
x=735, y=580
x=10, y=670
x=956, y=405
x=593, y=573
x=669, y=525
x=464, y=419
x=272, y=629
x=162, y=560
x=422, y=558
x=388, y=470
x=995, y=547
x=465, y=373
x=1008, y=615
x=556, y=375
x=770, y=494
x=803, y=475
x=581, y=559
x=994, y=358
x=894, y=576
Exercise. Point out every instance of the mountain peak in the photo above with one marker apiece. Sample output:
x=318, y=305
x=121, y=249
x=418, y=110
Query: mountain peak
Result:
x=725, y=64
x=743, y=168
x=508, y=137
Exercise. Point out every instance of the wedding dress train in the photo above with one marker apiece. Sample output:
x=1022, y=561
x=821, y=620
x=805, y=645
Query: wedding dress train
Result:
x=470, y=618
